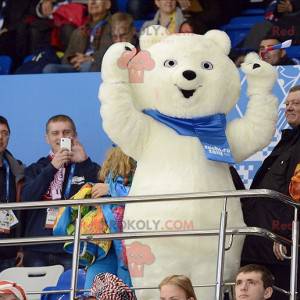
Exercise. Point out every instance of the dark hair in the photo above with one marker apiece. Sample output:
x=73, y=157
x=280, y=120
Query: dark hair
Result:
x=61, y=118
x=197, y=25
x=295, y=88
x=270, y=35
x=4, y=122
x=266, y=276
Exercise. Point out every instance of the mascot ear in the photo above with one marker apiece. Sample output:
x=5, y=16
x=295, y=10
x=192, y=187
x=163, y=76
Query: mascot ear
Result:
x=152, y=35
x=220, y=38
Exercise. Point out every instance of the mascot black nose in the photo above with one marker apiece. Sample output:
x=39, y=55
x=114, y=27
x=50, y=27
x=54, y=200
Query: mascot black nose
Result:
x=255, y=66
x=189, y=75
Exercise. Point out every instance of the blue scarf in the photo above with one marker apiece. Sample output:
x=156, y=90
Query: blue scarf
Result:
x=210, y=130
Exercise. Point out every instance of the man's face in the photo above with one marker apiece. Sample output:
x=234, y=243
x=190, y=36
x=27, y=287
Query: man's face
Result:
x=292, y=108
x=250, y=286
x=122, y=32
x=98, y=7
x=4, y=137
x=57, y=130
x=272, y=57
x=166, y=6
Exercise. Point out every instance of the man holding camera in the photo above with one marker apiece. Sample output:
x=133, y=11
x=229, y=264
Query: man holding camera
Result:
x=58, y=176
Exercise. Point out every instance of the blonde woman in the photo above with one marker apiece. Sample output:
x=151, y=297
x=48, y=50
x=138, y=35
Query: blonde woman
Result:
x=115, y=179
x=177, y=287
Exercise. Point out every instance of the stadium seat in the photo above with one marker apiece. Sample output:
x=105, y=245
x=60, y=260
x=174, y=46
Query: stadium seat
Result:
x=64, y=283
x=253, y=12
x=5, y=64
x=293, y=52
x=236, y=33
x=138, y=24
x=246, y=21
x=122, y=5
x=33, y=278
x=28, y=58
x=238, y=27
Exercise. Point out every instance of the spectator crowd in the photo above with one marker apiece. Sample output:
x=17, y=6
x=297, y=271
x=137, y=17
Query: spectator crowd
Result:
x=57, y=36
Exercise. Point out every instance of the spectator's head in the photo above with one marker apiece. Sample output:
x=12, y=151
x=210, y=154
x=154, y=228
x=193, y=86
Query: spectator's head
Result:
x=292, y=106
x=273, y=57
x=117, y=163
x=122, y=27
x=57, y=127
x=177, y=287
x=108, y=286
x=253, y=282
x=186, y=27
x=98, y=9
x=166, y=7
x=192, y=25
x=11, y=291
x=4, y=134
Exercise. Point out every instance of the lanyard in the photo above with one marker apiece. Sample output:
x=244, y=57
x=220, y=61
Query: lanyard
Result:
x=69, y=182
x=6, y=165
x=93, y=34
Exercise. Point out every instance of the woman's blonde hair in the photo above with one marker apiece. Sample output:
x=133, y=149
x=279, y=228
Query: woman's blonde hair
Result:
x=118, y=164
x=182, y=282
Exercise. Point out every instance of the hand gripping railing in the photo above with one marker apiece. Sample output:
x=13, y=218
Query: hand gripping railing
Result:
x=222, y=232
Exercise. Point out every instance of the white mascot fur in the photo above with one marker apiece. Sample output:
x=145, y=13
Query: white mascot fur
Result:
x=183, y=76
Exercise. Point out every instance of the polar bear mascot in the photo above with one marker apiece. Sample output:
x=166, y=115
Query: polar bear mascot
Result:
x=165, y=106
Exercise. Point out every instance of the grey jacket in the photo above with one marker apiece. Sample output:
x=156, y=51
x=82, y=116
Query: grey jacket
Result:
x=179, y=20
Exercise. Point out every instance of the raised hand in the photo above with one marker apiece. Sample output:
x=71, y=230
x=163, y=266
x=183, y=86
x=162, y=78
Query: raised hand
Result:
x=61, y=157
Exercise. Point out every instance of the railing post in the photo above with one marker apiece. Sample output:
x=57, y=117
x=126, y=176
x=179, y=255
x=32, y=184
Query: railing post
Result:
x=221, y=252
x=75, y=258
x=294, y=260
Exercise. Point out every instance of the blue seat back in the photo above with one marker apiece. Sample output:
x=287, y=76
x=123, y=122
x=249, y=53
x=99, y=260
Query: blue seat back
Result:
x=5, y=64
x=28, y=58
x=64, y=283
x=253, y=12
x=138, y=24
x=246, y=21
x=293, y=52
x=122, y=5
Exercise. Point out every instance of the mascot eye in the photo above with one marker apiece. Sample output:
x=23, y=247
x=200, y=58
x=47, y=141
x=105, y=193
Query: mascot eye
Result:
x=207, y=65
x=170, y=63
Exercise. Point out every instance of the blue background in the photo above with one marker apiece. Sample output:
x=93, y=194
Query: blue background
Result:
x=28, y=101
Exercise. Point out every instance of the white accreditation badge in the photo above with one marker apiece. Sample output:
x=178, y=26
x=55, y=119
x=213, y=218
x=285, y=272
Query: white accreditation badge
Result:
x=7, y=220
x=52, y=213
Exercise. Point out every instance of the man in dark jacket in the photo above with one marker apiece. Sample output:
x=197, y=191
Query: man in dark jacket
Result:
x=276, y=57
x=11, y=176
x=58, y=176
x=275, y=174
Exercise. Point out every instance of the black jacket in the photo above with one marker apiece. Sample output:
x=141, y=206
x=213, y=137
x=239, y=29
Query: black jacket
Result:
x=10, y=252
x=38, y=177
x=275, y=174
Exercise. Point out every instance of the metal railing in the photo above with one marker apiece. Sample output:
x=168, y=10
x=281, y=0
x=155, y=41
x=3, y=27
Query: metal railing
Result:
x=221, y=232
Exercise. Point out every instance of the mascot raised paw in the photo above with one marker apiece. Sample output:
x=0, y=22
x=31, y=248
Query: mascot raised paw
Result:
x=166, y=107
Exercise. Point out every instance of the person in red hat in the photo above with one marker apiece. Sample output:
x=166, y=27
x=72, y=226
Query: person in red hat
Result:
x=11, y=291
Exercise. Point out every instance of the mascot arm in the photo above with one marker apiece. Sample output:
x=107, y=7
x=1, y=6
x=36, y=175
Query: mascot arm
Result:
x=123, y=123
x=255, y=130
